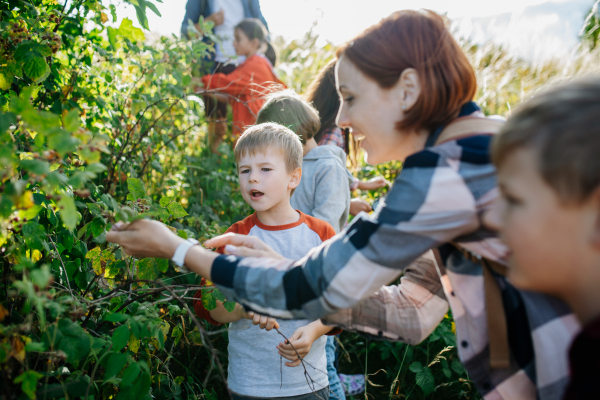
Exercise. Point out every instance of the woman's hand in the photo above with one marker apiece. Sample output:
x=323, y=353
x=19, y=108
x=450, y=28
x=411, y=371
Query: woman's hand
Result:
x=145, y=238
x=263, y=321
x=357, y=205
x=302, y=341
x=372, y=184
x=242, y=246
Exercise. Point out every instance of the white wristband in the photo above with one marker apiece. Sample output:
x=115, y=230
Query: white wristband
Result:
x=181, y=251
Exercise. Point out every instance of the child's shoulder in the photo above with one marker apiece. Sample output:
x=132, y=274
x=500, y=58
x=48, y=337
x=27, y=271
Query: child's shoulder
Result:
x=320, y=227
x=242, y=227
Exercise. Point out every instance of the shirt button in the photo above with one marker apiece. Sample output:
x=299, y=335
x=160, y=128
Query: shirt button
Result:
x=464, y=344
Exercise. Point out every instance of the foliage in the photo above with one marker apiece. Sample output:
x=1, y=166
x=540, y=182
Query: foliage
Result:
x=590, y=33
x=97, y=125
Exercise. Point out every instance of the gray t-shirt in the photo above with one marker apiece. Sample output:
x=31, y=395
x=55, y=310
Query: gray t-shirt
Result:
x=254, y=363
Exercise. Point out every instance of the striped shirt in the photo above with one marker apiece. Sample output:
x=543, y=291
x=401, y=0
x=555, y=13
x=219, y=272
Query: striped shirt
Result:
x=439, y=197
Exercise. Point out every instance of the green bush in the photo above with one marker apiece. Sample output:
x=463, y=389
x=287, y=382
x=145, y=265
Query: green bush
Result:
x=97, y=126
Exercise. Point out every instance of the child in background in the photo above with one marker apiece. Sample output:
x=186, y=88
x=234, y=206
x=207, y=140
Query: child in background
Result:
x=269, y=161
x=249, y=82
x=323, y=95
x=548, y=160
x=323, y=191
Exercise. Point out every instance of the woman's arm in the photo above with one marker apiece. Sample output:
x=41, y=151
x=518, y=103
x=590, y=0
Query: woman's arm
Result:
x=408, y=312
x=430, y=204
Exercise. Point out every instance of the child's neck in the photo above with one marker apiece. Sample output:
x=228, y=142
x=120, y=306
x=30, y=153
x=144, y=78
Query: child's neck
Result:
x=280, y=214
x=250, y=54
x=308, y=146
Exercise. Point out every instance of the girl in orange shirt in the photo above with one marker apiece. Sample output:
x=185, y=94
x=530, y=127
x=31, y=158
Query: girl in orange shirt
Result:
x=249, y=82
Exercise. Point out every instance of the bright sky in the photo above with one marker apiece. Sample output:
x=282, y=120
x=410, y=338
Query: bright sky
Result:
x=533, y=28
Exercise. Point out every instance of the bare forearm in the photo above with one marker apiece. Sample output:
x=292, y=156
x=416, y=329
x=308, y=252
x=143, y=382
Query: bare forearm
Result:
x=319, y=329
x=200, y=261
x=220, y=314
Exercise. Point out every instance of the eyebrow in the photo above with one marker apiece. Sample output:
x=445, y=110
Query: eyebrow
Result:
x=259, y=164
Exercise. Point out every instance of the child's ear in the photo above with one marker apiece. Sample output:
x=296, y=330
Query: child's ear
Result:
x=295, y=179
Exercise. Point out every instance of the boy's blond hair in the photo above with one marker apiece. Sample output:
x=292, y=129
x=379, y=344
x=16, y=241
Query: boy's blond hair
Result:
x=257, y=138
x=562, y=128
x=290, y=110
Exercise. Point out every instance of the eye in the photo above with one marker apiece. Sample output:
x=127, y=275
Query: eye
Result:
x=511, y=200
x=244, y=171
x=267, y=169
x=348, y=99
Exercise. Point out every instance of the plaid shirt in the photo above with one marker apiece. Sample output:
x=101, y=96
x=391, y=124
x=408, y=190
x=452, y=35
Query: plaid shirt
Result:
x=439, y=197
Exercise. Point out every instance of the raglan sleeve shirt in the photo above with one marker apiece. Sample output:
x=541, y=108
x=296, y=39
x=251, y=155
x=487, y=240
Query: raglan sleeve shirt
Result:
x=430, y=203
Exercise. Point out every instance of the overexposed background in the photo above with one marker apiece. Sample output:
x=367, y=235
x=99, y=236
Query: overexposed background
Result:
x=536, y=30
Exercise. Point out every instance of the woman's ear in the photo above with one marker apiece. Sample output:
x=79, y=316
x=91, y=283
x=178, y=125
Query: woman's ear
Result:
x=295, y=178
x=595, y=216
x=256, y=43
x=409, y=86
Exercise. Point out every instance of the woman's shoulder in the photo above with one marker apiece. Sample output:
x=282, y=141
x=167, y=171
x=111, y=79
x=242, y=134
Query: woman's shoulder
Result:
x=474, y=150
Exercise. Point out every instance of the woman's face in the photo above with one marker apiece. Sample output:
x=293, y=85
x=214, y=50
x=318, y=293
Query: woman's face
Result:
x=372, y=112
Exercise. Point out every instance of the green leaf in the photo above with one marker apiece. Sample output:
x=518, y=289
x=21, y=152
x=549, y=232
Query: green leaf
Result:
x=120, y=337
x=38, y=167
x=147, y=269
x=68, y=211
x=425, y=381
x=117, y=317
x=208, y=300
x=136, y=188
x=177, y=210
x=97, y=226
x=41, y=121
x=72, y=121
x=115, y=364
x=177, y=334
x=113, y=12
x=457, y=367
x=41, y=276
x=36, y=346
x=163, y=264
x=416, y=367
x=130, y=374
x=447, y=372
x=141, y=387
x=31, y=56
x=229, y=305
x=165, y=201
x=153, y=8
x=28, y=381
x=127, y=30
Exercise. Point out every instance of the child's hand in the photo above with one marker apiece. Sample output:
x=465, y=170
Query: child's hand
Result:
x=358, y=205
x=302, y=341
x=263, y=322
x=372, y=184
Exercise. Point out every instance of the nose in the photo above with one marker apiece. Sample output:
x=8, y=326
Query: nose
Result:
x=253, y=177
x=342, y=120
x=492, y=218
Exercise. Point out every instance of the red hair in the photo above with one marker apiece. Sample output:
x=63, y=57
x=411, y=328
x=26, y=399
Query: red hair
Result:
x=419, y=40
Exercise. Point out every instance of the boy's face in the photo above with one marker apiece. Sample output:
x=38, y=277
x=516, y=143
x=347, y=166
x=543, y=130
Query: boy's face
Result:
x=264, y=179
x=549, y=241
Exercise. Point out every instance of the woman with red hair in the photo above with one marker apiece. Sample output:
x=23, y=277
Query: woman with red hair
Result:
x=407, y=89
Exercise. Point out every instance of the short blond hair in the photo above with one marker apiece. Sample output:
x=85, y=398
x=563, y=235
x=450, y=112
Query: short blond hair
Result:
x=287, y=108
x=258, y=138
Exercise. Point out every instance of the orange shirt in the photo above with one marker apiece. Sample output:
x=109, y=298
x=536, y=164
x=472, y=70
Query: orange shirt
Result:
x=248, y=83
